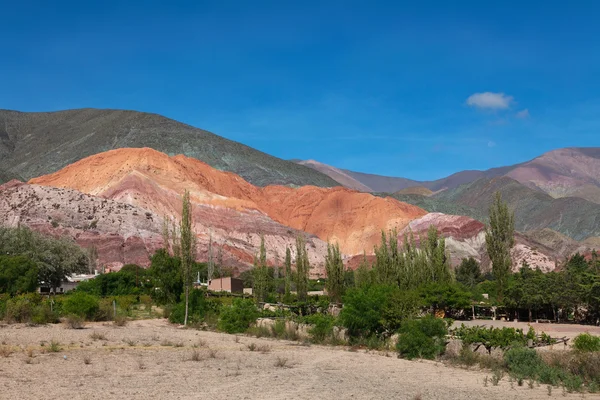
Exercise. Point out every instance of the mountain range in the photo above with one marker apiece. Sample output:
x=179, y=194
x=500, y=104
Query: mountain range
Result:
x=570, y=172
x=111, y=179
x=38, y=143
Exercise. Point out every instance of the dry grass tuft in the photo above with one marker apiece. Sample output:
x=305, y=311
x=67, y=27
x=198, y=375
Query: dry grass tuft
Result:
x=5, y=351
x=120, y=320
x=75, y=322
x=212, y=353
x=54, y=347
x=97, y=336
x=196, y=356
x=281, y=362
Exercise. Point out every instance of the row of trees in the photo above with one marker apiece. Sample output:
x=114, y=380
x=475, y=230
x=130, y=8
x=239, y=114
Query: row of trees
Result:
x=53, y=259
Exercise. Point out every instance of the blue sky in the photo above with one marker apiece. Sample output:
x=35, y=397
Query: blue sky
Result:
x=419, y=91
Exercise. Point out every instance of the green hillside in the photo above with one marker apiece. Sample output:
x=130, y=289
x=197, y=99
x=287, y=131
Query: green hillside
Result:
x=34, y=144
x=574, y=217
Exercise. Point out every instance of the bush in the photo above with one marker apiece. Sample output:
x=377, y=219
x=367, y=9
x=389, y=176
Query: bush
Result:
x=237, y=317
x=322, y=329
x=523, y=362
x=586, y=342
x=23, y=308
x=75, y=322
x=82, y=304
x=374, y=310
x=422, y=338
x=198, y=308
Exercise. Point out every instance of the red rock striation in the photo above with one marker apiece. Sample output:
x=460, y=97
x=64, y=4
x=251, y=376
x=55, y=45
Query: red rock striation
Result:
x=155, y=181
x=465, y=237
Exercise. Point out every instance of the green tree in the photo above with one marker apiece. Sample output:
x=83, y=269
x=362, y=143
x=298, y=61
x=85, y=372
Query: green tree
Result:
x=261, y=274
x=499, y=240
x=364, y=274
x=438, y=261
x=288, y=271
x=211, y=265
x=469, y=272
x=56, y=258
x=334, y=266
x=187, y=249
x=166, y=272
x=18, y=274
x=302, y=269
x=444, y=296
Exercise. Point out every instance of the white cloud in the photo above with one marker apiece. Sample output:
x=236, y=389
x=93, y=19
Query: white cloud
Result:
x=495, y=101
x=523, y=114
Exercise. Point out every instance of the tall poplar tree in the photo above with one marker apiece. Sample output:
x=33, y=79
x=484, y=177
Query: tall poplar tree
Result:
x=499, y=240
x=334, y=266
x=261, y=274
x=187, y=245
x=302, y=269
x=288, y=271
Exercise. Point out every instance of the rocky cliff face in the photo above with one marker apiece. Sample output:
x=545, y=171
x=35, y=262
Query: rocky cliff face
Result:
x=465, y=237
x=225, y=202
x=125, y=233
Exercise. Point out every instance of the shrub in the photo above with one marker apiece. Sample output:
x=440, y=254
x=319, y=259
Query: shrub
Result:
x=363, y=310
x=422, y=338
x=322, y=329
x=586, y=342
x=20, y=308
x=199, y=307
x=120, y=320
x=523, y=362
x=75, y=322
x=82, y=304
x=237, y=317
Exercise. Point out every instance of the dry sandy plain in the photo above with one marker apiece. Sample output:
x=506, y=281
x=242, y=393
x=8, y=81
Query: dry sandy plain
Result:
x=151, y=359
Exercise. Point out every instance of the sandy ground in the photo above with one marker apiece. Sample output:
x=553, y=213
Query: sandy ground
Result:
x=152, y=359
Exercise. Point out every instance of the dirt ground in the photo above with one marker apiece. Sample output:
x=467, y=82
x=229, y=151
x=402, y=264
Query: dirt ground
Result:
x=153, y=359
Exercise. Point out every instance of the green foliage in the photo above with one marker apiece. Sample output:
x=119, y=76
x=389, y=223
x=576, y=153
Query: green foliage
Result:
x=81, y=304
x=586, y=342
x=377, y=310
x=502, y=338
x=188, y=249
x=130, y=280
x=523, y=362
x=302, y=268
x=199, y=307
x=262, y=284
x=398, y=307
x=364, y=275
x=469, y=273
x=237, y=317
x=412, y=266
x=444, y=296
x=422, y=338
x=334, y=266
x=166, y=273
x=29, y=308
x=499, y=239
x=288, y=272
x=322, y=329
x=18, y=274
x=54, y=258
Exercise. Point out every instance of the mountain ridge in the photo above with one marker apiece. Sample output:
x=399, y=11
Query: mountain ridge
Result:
x=60, y=138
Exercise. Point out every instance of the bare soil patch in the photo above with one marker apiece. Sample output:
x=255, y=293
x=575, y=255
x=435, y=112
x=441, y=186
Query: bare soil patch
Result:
x=151, y=359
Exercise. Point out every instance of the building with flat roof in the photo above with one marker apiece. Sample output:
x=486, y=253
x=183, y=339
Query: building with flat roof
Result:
x=228, y=284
